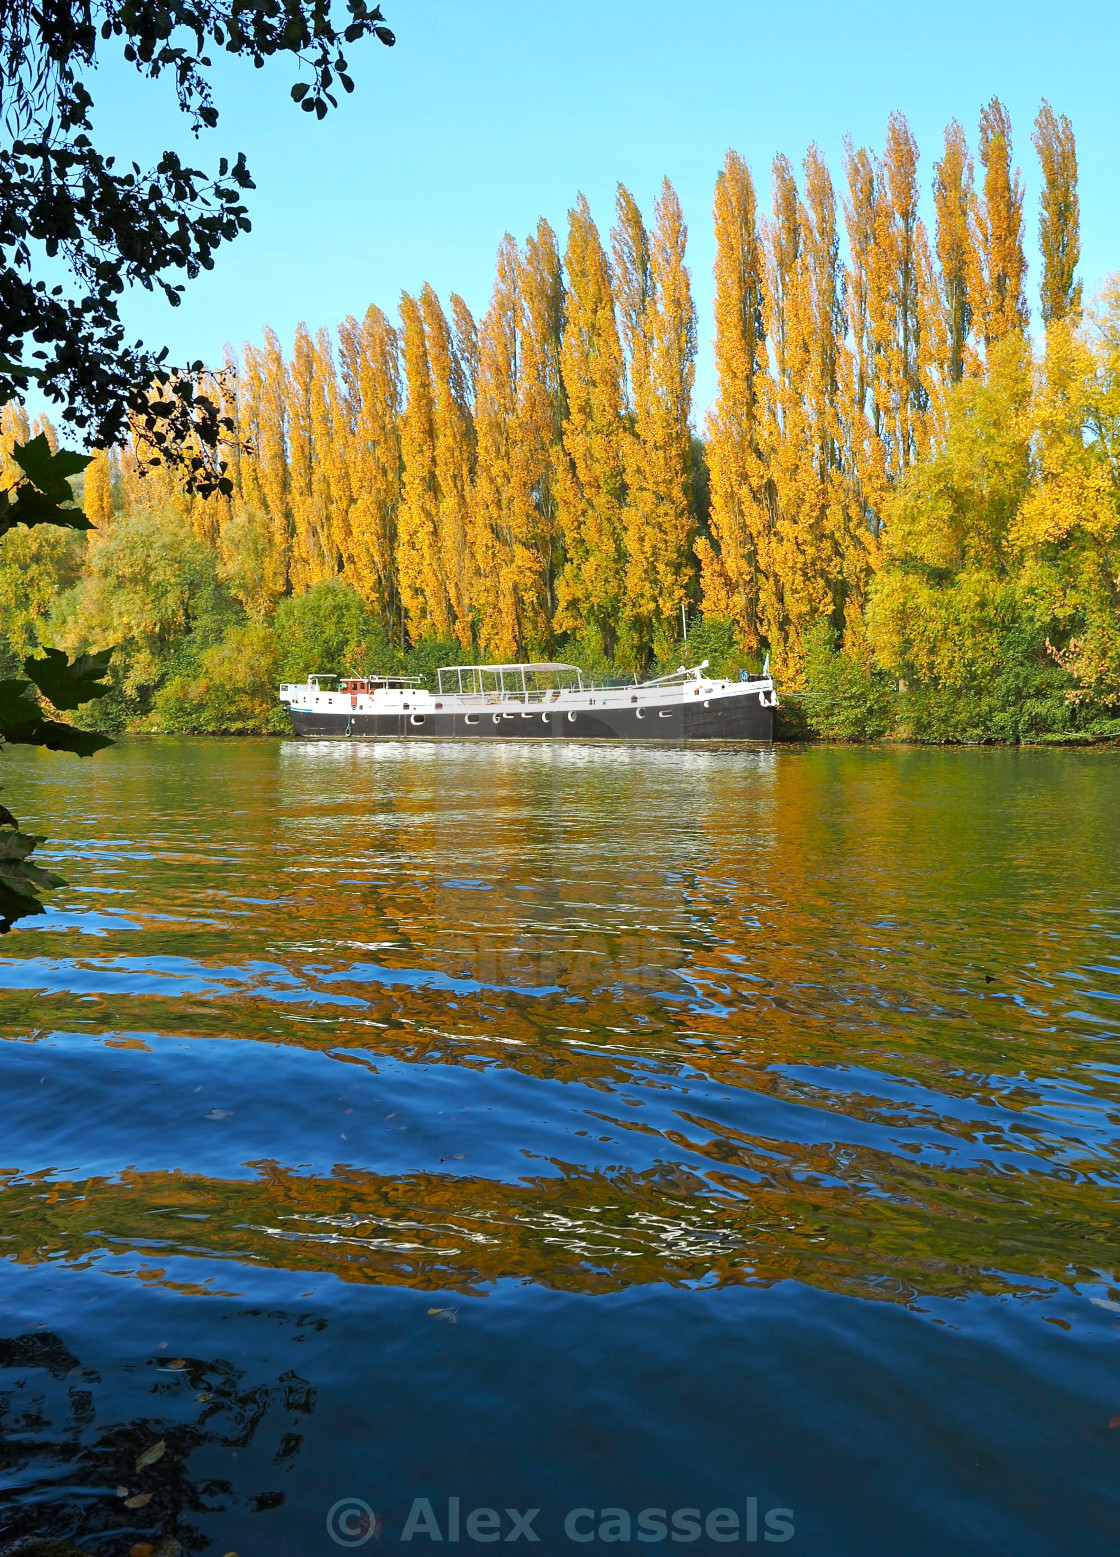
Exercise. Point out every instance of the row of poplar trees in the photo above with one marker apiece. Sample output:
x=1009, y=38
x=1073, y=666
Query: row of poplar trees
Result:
x=535, y=474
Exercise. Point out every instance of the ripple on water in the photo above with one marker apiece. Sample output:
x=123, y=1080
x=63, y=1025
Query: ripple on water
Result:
x=565, y=1127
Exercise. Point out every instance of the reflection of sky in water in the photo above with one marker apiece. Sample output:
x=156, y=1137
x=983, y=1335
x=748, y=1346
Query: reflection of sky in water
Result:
x=756, y=1110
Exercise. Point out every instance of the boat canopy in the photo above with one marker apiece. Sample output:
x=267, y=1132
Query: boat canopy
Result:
x=481, y=679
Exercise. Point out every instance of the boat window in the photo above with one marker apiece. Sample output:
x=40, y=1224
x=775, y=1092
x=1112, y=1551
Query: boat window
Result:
x=472, y=718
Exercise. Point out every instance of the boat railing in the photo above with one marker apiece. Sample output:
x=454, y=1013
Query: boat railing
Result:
x=534, y=695
x=520, y=682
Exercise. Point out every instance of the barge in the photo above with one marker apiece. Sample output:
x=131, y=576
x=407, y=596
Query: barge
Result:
x=540, y=701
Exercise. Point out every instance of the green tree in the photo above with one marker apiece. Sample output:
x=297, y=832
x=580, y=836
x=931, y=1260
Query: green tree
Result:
x=151, y=590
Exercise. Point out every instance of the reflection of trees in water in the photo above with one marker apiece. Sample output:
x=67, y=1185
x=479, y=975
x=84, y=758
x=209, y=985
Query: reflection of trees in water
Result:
x=76, y=1476
x=843, y=1218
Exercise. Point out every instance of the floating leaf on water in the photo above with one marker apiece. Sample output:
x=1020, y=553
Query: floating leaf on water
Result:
x=448, y=1315
x=141, y=1549
x=1114, y=1421
x=139, y=1501
x=204, y=1395
x=122, y=1492
x=151, y=1455
x=177, y=1362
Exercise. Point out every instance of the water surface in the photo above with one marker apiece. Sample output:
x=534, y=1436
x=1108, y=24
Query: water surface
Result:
x=580, y=1128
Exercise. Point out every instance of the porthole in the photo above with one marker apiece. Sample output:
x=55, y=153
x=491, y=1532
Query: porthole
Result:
x=706, y=703
x=497, y=718
x=641, y=713
x=666, y=713
x=572, y=718
x=545, y=718
x=472, y=718
x=418, y=718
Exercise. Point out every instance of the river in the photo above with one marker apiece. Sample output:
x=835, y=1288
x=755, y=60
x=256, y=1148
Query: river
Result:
x=695, y=1148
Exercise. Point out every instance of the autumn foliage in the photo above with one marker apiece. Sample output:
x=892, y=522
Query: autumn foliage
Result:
x=885, y=469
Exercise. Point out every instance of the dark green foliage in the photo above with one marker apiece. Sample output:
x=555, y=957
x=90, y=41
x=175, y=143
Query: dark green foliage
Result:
x=1024, y=698
x=845, y=698
x=20, y=880
x=700, y=481
x=329, y=630
x=22, y=724
x=792, y=721
x=69, y=683
x=712, y=639
x=588, y=651
x=1018, y=694
x=425, y=658
x=63, y=202
x=44, y=496
x=230, y=688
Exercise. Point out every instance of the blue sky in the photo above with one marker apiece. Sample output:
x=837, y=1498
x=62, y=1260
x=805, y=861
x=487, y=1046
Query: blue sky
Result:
x=490, y=114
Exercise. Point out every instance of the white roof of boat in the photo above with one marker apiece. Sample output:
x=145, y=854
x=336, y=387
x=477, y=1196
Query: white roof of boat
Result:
x=520, y=665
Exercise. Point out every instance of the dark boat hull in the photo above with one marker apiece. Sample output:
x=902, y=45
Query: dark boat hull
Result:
x=738, y=718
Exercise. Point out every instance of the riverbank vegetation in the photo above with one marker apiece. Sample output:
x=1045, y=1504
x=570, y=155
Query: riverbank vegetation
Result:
x=906, y=500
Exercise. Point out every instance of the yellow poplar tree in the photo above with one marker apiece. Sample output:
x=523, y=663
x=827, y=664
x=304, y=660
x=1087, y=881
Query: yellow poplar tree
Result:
x=14, y=429
x=369, y=356
x=861, y=222
x=895, y=318
x=1059, y=221
x=1001, y=304
x=420, y=575
x=331, y=415
x=517, y=419
x=659, y=325
x=540, y=414
x=837, y=548
x=454, y=458
x=954, y=198
x=465, y=332
x=97, y=490
x=816, y=550
x=591, y=483
x=494, y=517
x=263, y=417
x=42, y=425
x=729, y=560
x=310, y=436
